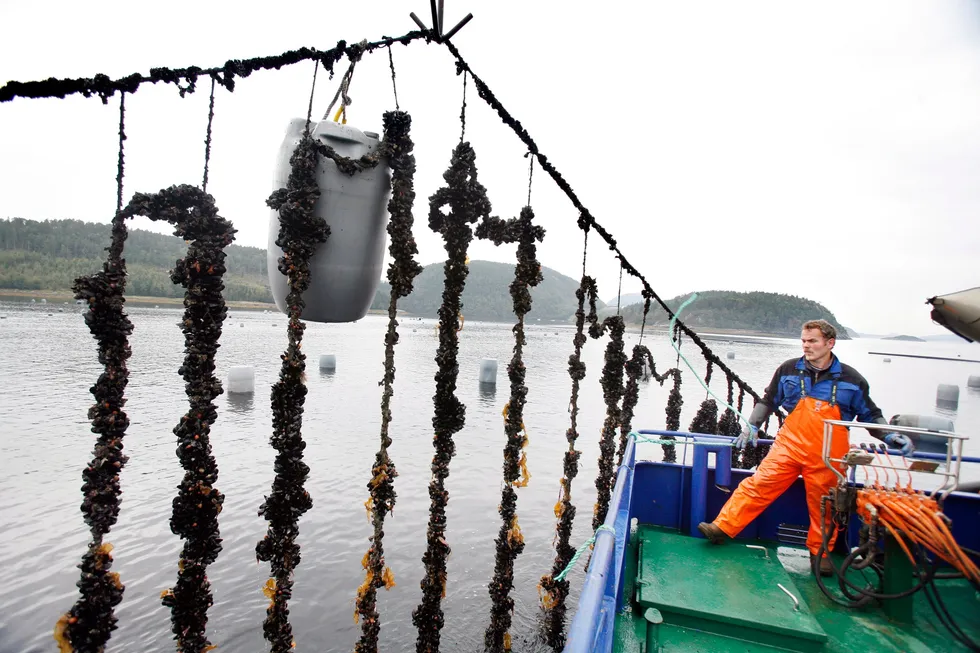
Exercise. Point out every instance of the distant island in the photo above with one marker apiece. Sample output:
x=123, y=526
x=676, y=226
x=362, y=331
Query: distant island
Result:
x=47, y=256
x=906, y=338
x=756, y=313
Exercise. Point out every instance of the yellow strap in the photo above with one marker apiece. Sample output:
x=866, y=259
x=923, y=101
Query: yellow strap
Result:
x=336, y=117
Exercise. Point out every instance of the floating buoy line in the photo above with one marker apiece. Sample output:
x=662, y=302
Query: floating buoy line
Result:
x=459, y=211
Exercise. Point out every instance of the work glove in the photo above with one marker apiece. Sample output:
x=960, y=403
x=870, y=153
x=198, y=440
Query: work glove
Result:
x=899, y=441
x=750, y=434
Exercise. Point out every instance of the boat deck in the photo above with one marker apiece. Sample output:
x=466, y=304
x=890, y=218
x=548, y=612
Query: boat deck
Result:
x=688, y=595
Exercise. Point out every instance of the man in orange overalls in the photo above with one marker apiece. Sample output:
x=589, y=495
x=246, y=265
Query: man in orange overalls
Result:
x=811, y=389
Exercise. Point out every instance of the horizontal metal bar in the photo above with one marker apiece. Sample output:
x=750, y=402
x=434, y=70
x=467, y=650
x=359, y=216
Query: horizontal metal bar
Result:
x=894, y=428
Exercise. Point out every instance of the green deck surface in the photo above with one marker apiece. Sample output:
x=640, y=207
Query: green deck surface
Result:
x=688, y=595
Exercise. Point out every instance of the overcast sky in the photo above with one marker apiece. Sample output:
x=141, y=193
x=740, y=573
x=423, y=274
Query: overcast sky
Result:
x=829, y=150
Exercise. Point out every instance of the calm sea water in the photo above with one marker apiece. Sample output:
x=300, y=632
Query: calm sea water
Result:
x=49, y=363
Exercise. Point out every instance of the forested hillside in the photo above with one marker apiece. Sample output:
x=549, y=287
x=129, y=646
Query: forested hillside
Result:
x=487, y=294
x=762, y=312
x=49, y=255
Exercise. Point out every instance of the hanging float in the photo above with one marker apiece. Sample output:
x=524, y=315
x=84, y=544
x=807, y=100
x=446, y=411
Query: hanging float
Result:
x=344, y=271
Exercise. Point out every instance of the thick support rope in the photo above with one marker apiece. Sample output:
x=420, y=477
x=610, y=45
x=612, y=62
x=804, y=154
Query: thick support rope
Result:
x=402, y=271
x=468, y=203
x=585, y=216
x=186, y=78
x=510, y=540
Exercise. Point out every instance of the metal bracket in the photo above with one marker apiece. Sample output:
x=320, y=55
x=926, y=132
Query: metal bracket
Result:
x=796, y=601
x=438, y=14
x=764, y=550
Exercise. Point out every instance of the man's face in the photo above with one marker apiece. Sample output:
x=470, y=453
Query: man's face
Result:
x=815, y=346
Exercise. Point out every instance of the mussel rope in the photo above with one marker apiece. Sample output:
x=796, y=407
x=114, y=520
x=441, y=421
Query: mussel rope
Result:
x=207, y=140
x=87, y=626
x=554, y=592
x=634, y=370
x=510, y=540
x=198, y=502
x=728, y=424
x=612, y=393
x=706, y=419
x=402, y=270
x=301, y=232
x=467, y=202
x=674, y=401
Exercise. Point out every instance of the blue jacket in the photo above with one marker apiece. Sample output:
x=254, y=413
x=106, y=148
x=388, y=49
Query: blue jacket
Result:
x=852, y=389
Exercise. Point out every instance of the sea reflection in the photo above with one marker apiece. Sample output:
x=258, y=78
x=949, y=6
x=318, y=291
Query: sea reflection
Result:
x=488, y=394
x=241, y=402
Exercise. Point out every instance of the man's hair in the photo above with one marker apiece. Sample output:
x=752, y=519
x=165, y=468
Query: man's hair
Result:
x=826, y=328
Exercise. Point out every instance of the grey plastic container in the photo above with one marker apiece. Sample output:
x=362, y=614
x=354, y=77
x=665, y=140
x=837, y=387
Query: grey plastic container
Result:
x=346, y=270
x=948, y=396
x=488, y=371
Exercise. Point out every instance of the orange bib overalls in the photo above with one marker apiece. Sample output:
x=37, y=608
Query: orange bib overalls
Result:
x=798, y=450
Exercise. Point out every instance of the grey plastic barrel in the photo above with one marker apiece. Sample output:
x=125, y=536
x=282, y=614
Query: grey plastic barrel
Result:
x=241, y=380
x=730, y=355
x=925, y=441
x=948, y=396
x=328, y=362
x=488, y=371
x=973, y=382
x=346, y=270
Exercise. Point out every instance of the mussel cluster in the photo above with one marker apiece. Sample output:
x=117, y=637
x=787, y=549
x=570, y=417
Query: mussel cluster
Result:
x=612, y=392
x=197, y=504
x=553, y=593
x=634, y=370
x=729, y=423
x=467, y=202
x=510, y=541
x=87, y=626
x=301, y=232
x=397, y=147
x=706, y=419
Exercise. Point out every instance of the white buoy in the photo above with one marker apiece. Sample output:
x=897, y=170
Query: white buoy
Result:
x=241, y=379
x=44, y=301
x=242, y=324
x=488, y=371
x=973, y=382
x=730, y=355
x=328, y=362
x=948, y=396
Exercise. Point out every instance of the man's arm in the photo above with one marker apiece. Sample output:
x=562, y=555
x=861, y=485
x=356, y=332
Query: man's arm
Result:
x=867, y=411
x=771, y=399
